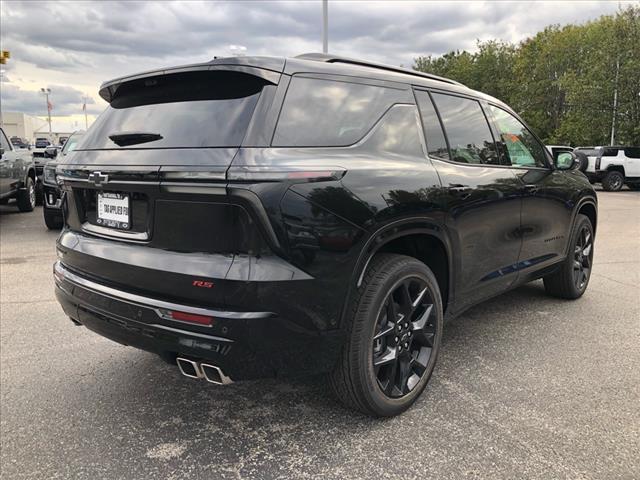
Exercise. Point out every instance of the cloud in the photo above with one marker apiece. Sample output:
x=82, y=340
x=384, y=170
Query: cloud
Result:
x=78, y=44
x=66, y=101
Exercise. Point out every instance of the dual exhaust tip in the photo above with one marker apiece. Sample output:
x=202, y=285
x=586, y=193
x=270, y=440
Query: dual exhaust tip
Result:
x=194, y=369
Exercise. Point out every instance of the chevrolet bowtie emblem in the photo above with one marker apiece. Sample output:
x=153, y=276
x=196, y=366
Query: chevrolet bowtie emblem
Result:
x=98, y=178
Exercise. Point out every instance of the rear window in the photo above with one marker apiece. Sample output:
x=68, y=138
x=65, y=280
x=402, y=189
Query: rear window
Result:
x=186, y=110
x=328, y=113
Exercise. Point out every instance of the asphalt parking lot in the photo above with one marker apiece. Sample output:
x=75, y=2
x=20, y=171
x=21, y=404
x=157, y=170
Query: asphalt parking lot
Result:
x=526, y=387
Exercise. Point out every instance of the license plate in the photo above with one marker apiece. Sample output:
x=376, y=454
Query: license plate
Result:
x=113, y=210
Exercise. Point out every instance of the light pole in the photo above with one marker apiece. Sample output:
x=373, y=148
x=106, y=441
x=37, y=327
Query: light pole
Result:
x=46, y=92
x=325, y=26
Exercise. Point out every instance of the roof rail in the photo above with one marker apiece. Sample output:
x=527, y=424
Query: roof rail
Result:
x=323, y=57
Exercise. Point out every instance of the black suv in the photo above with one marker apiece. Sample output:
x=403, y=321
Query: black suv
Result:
x=253, y=217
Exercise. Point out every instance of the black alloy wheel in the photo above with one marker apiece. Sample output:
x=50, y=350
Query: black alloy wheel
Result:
x=571, y=278
x=583, y=257
x=395, y=330
x=404, y=337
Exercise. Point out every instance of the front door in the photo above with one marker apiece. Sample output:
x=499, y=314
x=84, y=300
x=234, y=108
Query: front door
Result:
x=547, y=207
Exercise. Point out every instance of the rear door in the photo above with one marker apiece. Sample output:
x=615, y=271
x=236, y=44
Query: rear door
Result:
x=482, y=196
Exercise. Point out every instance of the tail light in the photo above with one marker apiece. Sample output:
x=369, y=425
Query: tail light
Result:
x=297, y=175
x=598, y=159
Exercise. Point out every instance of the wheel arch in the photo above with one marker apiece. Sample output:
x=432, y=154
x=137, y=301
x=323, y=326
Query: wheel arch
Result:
x=419, y=238
x=616, y=168
x=589, y=209
x=31, y=172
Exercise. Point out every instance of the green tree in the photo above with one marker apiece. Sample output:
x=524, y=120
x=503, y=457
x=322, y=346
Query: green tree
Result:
x=571, y=84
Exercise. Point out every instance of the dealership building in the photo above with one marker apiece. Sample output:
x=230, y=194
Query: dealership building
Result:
x=16, y=124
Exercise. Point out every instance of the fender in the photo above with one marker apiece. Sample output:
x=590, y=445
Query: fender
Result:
x=587, y=200
x=388, y=233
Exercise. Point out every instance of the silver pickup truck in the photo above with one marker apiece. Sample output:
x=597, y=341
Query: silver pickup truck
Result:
x=17, y=175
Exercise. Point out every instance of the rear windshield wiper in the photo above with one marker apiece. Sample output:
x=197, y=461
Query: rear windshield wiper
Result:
x=123, y=139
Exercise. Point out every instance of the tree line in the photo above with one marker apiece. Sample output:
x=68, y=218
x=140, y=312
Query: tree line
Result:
x=573, y=85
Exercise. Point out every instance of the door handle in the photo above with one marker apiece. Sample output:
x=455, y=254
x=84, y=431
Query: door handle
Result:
x=461, y=191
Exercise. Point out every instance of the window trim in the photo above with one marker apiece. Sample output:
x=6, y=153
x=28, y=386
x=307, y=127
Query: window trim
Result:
x=343, y=79
x=545, y=150
x=421, y=122
x=430, y=92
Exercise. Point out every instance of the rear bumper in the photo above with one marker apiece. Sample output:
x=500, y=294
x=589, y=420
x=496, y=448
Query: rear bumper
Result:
x=245, y=345
x=594, y=177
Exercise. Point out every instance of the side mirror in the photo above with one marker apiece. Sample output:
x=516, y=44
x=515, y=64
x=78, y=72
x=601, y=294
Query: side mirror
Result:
x=51, y=152
x=1, y=152
x=566, y=161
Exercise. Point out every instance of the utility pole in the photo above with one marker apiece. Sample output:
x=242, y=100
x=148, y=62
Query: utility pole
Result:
x=615, y=104
x=46, y=92
x=325, y=26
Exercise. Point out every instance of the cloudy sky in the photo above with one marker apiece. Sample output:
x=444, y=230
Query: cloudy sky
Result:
x=72, y=47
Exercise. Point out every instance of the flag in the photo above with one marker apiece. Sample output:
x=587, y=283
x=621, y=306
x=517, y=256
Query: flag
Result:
x=84, y=106
x=49, y=106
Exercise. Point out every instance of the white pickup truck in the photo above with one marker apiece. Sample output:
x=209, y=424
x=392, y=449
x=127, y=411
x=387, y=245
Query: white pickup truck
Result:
x=613, y=166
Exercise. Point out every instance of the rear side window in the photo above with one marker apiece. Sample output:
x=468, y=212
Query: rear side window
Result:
x=610, y=152
x=632, y=152
x=328, y=113
x=520, y=146
x=436, y=143
x=186, y=110
x=589, y=152
x=470, y=138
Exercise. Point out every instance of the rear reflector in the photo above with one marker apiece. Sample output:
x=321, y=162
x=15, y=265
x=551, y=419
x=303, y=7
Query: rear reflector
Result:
x=191, y=318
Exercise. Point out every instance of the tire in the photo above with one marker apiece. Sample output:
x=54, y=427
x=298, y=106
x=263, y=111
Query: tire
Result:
x=570, y=281
x=584, y=161
x=39, y=193
x=26, y=198
x=52, y=219
x=405, y=351
x=613, y=181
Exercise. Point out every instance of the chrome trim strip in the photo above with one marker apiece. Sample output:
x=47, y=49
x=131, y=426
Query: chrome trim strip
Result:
x=151, y=302
x=112, y=232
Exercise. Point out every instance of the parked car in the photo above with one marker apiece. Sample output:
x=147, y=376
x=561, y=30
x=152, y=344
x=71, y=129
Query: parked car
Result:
x=257, y=217
x=51, y=191
x=17, y=175
x=18, y=142
x=613, y=167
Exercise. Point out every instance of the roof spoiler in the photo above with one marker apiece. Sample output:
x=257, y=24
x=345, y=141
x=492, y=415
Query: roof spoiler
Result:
x=269, y=68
